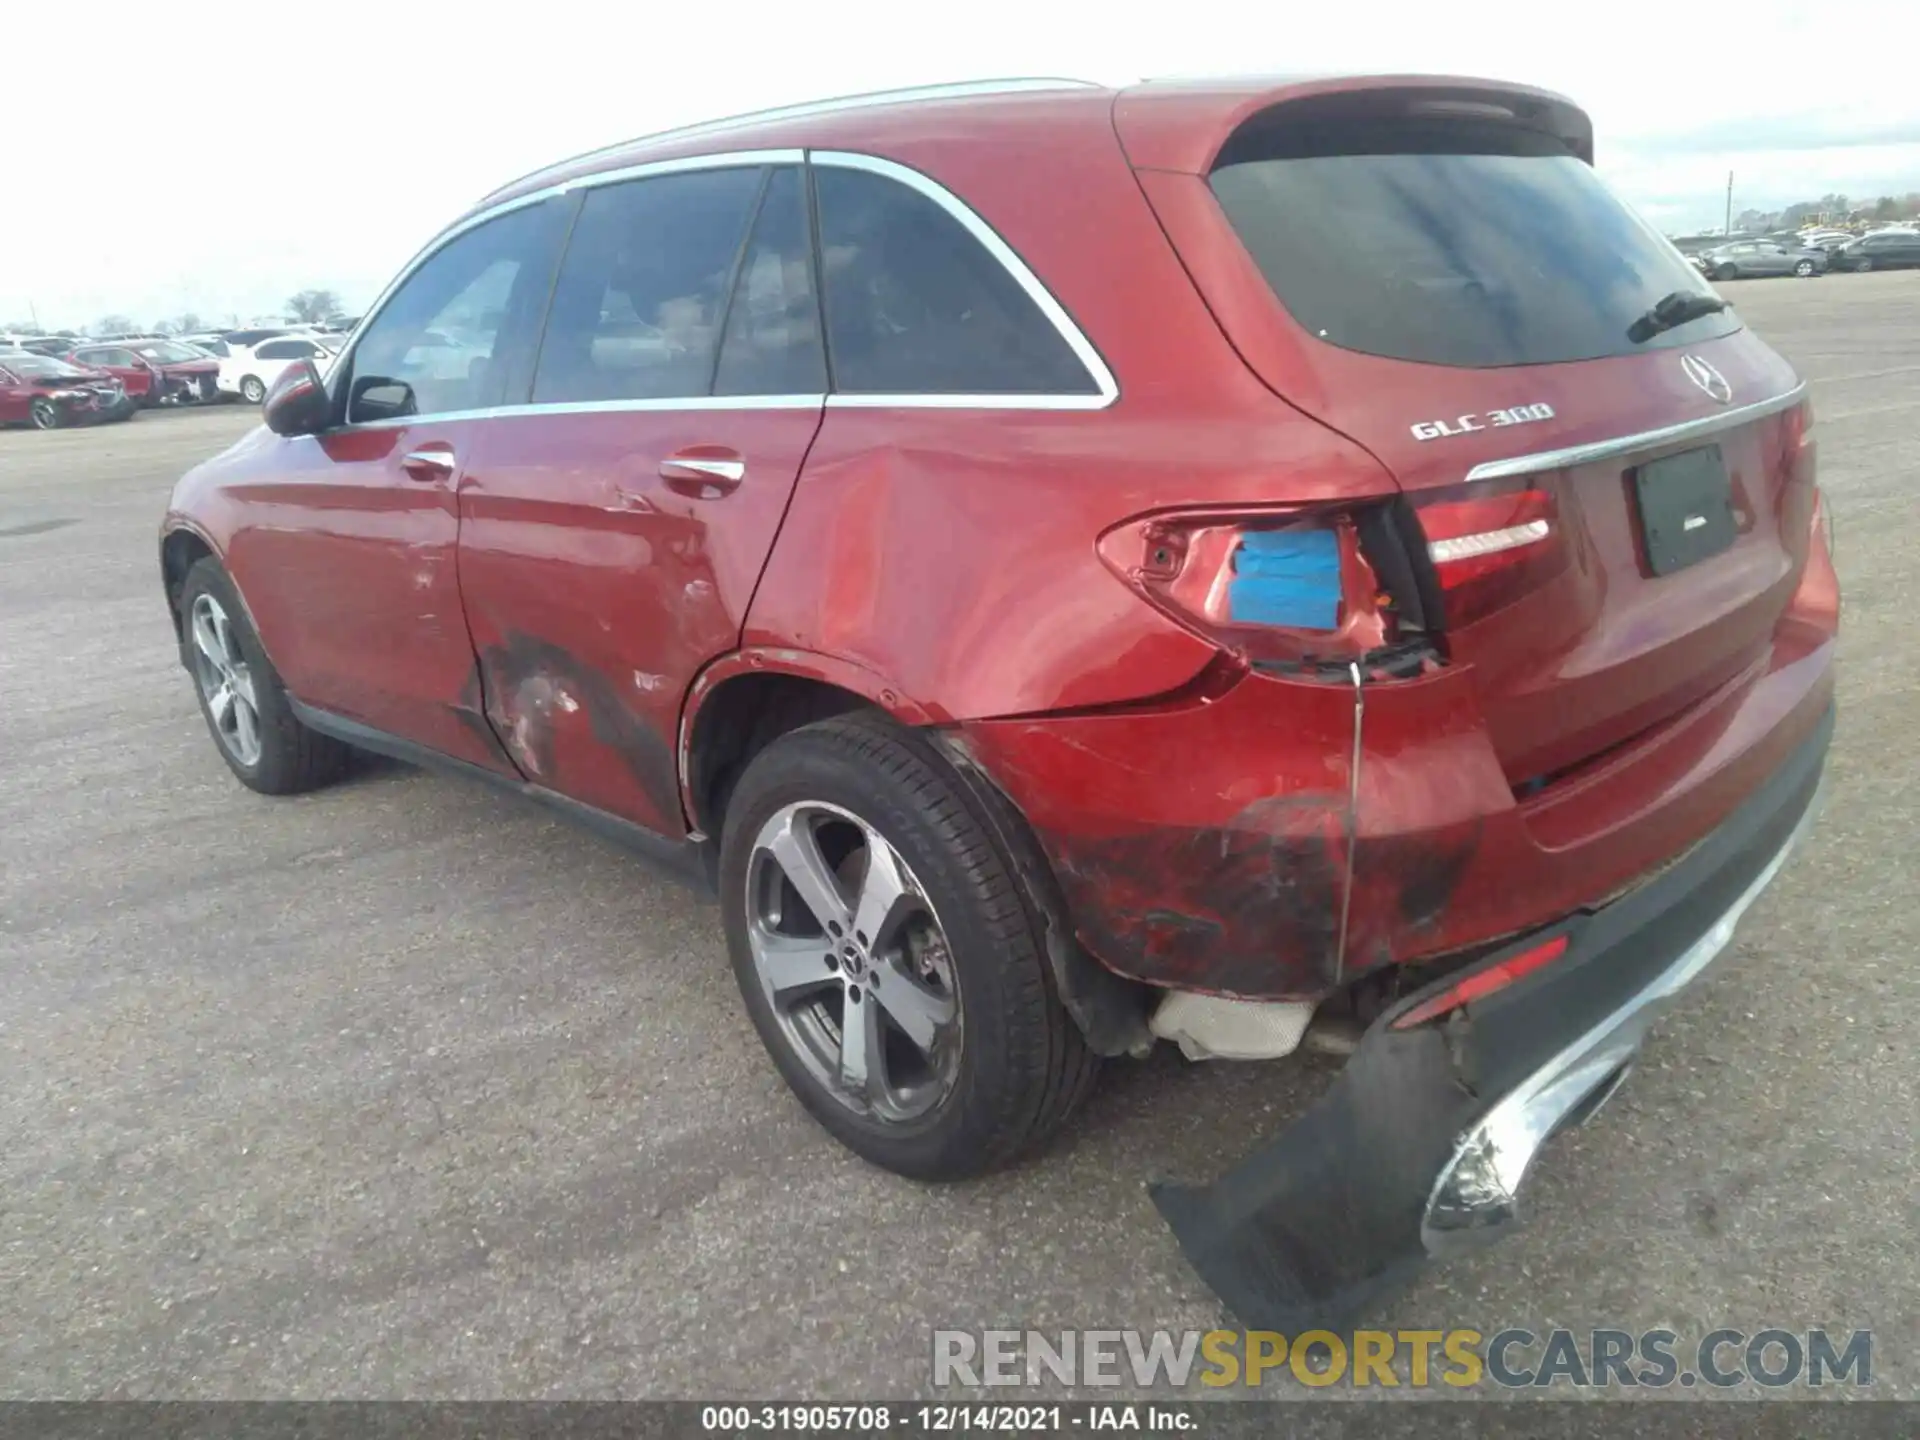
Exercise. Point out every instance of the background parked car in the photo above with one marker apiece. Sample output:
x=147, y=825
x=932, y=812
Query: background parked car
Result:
x=46, y=393
x=250, y=373
x=154, y=371
x=1760, y=257
x=1882, y=250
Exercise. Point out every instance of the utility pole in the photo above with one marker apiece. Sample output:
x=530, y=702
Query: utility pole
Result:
x=1729, y=202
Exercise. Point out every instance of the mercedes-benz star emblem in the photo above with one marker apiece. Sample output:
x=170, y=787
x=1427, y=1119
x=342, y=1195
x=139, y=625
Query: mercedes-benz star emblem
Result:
x=1707, y=378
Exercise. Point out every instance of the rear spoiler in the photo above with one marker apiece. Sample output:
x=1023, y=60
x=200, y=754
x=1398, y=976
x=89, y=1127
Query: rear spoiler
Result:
x=1172, y=125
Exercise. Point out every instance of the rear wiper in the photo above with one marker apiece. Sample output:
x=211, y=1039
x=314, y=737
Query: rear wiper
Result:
x=1675, y=309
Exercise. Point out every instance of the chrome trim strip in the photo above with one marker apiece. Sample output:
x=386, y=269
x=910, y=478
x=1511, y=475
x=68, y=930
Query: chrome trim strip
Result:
x=1477, y=1193
x=1108, y=388
x=604, y=407
x=1645, y=440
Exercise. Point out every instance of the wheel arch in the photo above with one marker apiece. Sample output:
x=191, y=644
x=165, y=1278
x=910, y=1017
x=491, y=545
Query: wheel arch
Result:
x=746, y=700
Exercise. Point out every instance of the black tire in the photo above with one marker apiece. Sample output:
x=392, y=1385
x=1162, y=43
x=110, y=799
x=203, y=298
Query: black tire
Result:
x=1804, y=269
x=292, y=758
x=1863, y=264
x=1724, y=272
x=43, y=414
x=253, y=390
x=1023, y=1066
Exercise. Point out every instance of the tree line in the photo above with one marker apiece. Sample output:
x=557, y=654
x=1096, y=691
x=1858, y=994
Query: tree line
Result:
x=306, y=307
x=1831, y=209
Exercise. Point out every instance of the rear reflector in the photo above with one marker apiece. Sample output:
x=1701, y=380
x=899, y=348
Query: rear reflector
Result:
x=1482, y=983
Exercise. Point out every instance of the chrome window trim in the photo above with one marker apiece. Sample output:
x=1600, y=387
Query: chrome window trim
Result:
x=604, y=407
x=1644, y=440
x=1108, y=389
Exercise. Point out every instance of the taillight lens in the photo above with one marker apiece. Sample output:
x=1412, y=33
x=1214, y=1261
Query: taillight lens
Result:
x=1490, y=543
x=1266, y=585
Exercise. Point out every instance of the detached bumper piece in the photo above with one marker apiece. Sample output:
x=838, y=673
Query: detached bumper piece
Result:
x=1419, y=1147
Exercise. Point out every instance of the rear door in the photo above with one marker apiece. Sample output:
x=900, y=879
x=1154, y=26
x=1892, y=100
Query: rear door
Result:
x=16, y=396
x=616, y=519
x=1465, y=300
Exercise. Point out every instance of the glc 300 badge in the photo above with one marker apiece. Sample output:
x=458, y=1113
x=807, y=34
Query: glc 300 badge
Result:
x=1490, y=420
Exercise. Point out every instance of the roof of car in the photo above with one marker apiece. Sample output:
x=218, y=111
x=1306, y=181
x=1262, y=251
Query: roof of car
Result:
x=1186, y=119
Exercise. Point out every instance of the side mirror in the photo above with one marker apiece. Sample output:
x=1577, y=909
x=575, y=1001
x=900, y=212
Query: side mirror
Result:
x=296, y=404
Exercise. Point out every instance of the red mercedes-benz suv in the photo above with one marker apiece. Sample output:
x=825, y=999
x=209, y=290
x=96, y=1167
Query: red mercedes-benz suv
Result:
x=1229, y=563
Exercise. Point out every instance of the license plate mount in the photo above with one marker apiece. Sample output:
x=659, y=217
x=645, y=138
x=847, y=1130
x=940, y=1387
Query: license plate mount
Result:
x=1685, y=507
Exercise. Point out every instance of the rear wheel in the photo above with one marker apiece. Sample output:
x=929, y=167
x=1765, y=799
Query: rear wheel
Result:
x=253, y=390
x=241, y=697
x=889, y=958
x=44, y=414
x=1803, y=269
x=1864, y=263
x=1725, y=272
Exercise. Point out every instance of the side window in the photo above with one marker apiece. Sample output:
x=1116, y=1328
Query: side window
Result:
x=916, y=305
x=772, y=341
x=278, y=350
x=638, y=307
x=432, y=347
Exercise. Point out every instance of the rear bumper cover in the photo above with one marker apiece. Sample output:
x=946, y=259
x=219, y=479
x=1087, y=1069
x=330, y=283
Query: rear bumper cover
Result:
x=1419, y=1147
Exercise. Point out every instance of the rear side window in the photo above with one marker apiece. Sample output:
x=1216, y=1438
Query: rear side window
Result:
x=641, y=297
x=282, y=350
x=1451, y=243
x=915, y=305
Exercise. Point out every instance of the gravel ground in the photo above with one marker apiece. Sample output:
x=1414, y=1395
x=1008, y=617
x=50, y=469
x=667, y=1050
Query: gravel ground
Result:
x=403, y=1089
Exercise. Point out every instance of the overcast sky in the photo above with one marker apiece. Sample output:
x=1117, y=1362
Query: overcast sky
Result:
x=163, y=158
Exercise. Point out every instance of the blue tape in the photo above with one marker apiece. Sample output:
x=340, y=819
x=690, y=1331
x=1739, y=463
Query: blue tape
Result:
x=1286, y=577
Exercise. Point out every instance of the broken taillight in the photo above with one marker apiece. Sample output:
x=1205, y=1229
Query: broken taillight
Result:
x=1267, y=585
x=1490, y=542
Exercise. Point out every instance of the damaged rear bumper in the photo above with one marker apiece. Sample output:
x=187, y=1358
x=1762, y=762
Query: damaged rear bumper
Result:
x=1419, y=1147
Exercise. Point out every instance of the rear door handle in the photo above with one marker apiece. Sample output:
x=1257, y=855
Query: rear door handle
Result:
x=429, y=463
x=705, y=472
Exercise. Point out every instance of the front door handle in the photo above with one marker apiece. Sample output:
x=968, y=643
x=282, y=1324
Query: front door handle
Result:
x=705, y=472
x=429, y=463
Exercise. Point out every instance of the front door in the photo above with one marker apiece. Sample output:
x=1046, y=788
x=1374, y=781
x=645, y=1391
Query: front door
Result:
x=613, y=530
x=347, y=556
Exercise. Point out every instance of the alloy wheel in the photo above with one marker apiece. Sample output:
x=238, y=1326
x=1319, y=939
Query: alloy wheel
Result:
x=44, y=414
x=252, y=391
x=853, y=962
x=226, y=681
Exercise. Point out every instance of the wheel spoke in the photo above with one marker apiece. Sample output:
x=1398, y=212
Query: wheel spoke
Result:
x=884, y=896
x=207, y=639
x=860, y=1055
x=797, y=852
x=220, y=703
x=246, y=731
x=793, y=963
x=919, y=1012
x=229, y=650
x=241, y=679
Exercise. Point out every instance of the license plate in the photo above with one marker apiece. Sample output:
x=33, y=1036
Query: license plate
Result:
x=1686, y=509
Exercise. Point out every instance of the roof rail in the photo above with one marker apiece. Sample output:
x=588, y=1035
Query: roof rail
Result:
x=957, y=90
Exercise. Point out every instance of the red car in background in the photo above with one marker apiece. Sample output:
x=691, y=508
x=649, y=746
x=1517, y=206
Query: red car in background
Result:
x=46, y=393
x=1075, y=567
x=154, y=372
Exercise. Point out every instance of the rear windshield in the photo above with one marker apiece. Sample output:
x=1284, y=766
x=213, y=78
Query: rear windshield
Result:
x=1453, y=243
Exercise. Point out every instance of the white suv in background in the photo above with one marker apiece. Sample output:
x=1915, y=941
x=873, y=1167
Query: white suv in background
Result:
x=249, y=371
